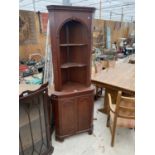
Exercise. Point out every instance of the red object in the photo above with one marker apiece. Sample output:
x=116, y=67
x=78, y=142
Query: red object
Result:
x=44, y=20
x=23, y=68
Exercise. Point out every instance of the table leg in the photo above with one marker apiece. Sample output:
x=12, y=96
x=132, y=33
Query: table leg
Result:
x=106, y=104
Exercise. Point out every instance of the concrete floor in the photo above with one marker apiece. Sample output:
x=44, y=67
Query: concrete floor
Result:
x=99, y=142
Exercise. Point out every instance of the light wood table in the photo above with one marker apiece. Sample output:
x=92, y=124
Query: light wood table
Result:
x=119, y=77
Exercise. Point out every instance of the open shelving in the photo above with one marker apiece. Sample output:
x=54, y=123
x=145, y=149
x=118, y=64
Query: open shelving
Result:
x=70, y=33
x=73, y=55
x=72, y=86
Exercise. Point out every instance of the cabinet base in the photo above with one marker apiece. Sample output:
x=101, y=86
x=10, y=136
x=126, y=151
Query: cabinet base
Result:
x=61, y=138
x=73, y=113
x=90, y=132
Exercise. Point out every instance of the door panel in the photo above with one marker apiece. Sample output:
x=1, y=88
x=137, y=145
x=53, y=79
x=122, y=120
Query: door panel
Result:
x=85, y=108
x=68, y=116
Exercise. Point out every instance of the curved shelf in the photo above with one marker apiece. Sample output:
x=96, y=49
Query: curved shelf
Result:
x=71, y=86
x=66, y=45
x=71, y=64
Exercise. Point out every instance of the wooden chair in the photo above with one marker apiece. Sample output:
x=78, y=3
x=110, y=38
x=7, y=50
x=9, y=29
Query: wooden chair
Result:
x=121, y=114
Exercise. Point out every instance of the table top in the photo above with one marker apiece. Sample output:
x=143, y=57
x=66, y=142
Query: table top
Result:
x=120, y=77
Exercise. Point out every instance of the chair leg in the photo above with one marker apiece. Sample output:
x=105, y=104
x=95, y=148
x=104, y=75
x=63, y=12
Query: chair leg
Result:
x=108, y=121
x=113, y=134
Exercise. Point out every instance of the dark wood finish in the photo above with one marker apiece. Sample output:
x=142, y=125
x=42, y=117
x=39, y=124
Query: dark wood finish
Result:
x=34, y=126
x=70, y=31
x=85, y=111
x=73, y=112
x=72, y=45
x=119, y=77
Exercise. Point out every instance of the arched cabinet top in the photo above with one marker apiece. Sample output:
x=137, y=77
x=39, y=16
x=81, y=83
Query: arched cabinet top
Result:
x=71, y=40
x=75, y=19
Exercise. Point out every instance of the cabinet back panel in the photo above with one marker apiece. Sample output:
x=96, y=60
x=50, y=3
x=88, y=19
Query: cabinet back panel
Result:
x=78, y=54
x=75, y=74
x=77, y=33
x=73, y=32
x=63, y=34
x=63, y=55
x=64, y=75
x=78, y=74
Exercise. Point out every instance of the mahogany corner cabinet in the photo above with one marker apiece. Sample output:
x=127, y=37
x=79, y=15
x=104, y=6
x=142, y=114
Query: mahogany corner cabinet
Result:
x=71, y=45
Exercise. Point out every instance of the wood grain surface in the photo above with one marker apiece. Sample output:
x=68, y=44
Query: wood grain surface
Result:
x=120, y=77
x=117, y=77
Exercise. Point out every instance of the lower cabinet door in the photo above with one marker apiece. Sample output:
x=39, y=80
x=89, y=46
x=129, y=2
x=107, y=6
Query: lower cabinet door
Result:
x=68, y=112
x=85, y=112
